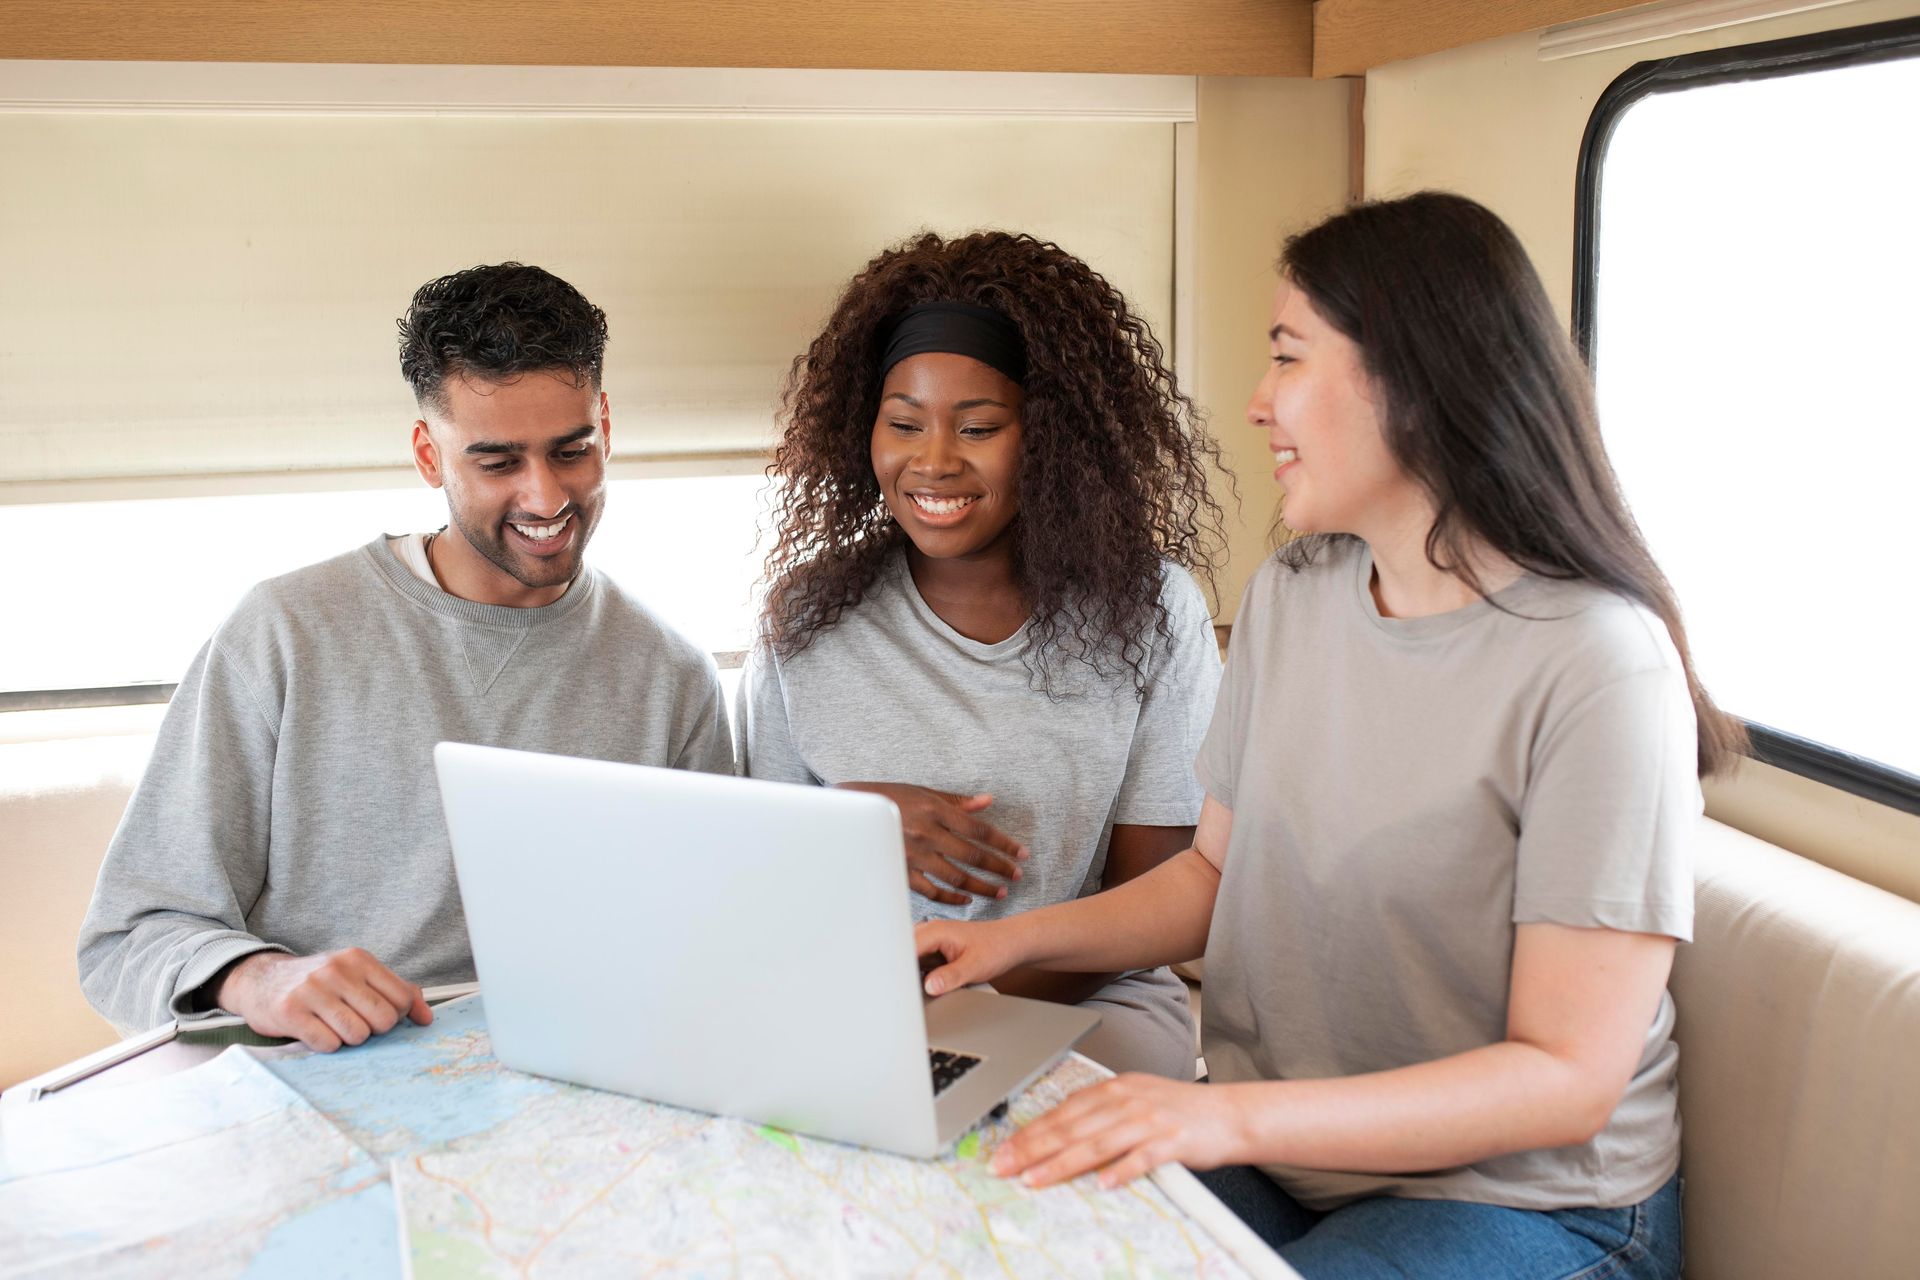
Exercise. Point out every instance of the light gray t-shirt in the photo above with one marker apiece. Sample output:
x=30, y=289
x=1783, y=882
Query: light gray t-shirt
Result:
x=290, y=802
x=891, y=693
x=1405, y=792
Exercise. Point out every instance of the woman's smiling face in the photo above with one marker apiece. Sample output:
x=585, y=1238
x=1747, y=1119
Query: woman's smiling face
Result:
x=1323, y=423
x=946, y=452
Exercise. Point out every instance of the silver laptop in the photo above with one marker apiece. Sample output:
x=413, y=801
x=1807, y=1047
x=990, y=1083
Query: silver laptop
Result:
x=738, y=947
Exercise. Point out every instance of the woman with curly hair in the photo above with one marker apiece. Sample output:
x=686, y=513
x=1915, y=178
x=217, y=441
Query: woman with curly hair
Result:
x=978, y=602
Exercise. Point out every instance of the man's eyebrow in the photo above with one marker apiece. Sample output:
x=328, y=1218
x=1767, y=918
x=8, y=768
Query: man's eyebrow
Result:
x=498, y=446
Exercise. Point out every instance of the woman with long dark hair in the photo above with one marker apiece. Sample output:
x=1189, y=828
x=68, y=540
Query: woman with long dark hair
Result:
x=979, y=600
x=1451, y=781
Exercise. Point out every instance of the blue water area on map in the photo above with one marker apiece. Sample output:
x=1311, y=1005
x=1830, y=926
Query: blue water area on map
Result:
x=353, y=1236
x=416, y=1087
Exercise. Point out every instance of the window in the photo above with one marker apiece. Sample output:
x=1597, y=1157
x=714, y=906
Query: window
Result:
x=126, y=592
x=1745, y=287
x=201, y=302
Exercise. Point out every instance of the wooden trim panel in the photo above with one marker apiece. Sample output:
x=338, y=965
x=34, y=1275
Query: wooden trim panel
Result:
x=1181, y=37
x=1356, y=139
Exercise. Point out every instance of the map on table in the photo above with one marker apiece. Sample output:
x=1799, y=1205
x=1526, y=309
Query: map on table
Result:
x=218, y=1171
x=488, y=1171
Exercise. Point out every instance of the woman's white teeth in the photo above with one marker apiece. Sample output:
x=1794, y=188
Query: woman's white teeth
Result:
x=1284, y=456
x=541, y=532
x=940, y=506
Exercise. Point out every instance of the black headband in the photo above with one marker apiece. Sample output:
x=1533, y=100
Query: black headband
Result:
x=960, y=328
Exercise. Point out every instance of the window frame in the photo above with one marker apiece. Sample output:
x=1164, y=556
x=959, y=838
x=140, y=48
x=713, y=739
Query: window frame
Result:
x=1821, y=51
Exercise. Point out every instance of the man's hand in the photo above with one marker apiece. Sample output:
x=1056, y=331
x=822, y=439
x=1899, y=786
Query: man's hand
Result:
x=324, y=1001
x=943, y=839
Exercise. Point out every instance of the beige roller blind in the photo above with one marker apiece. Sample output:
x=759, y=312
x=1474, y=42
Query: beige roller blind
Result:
x=202, y=294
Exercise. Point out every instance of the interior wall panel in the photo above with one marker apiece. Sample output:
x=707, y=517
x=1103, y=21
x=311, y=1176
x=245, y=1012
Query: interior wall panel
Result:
x=1272, y=160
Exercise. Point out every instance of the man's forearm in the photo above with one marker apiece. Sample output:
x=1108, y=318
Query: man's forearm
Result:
x=213, y=993
x=144, y=973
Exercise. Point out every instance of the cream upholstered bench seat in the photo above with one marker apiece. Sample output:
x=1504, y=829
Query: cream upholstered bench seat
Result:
x=60, y=801
x=1799, y=1031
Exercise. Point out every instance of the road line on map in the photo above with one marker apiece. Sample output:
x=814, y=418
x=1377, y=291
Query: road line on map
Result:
x=473, y=1198
x=1233, y=1235
x=566, y=1224
x=862, y=1203
x=1186, y=1236
x=986, y=1223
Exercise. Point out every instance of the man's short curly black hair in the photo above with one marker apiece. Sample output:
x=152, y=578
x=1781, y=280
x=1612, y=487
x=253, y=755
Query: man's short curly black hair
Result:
x=495, y=322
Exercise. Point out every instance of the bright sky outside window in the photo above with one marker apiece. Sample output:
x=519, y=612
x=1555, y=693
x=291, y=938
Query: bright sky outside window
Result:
x=1755, y=330
x=137, y=587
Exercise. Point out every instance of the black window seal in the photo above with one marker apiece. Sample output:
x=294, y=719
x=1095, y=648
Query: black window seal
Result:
x=1821, y=51
x=1855, y=775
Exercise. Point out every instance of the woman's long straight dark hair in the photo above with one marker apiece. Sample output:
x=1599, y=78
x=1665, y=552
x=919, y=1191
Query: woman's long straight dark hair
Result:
x=1488, y=405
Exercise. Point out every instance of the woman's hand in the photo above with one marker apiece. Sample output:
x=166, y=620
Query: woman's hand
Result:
x=972, y=951
x=943, y=839
x=1125, y=1127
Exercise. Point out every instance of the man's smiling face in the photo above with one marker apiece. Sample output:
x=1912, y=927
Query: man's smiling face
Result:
x=523, y=462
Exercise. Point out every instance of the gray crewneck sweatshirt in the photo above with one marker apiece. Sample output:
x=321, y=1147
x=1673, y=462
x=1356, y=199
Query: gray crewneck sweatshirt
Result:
x=290, y=803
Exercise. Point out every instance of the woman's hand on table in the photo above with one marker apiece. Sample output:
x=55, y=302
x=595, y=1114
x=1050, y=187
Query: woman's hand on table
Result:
x=1123, y=1128
x=944, y=838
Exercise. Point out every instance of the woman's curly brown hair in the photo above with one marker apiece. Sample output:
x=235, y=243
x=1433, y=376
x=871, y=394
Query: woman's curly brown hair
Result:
x=1113, y=459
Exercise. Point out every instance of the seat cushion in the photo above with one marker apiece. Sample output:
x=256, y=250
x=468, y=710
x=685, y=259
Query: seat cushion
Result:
x=1799, y=1032
x=59, y=804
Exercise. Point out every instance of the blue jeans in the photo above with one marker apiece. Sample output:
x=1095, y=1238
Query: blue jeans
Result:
x=1389, y=1238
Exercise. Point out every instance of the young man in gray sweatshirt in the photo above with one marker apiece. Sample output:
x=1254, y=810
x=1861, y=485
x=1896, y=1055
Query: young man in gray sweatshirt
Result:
x=285, y=857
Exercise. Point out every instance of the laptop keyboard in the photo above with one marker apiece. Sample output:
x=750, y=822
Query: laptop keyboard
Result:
x=948, y=1067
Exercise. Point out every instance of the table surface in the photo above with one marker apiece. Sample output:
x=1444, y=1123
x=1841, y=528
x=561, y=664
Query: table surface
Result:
x=196, y=1042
